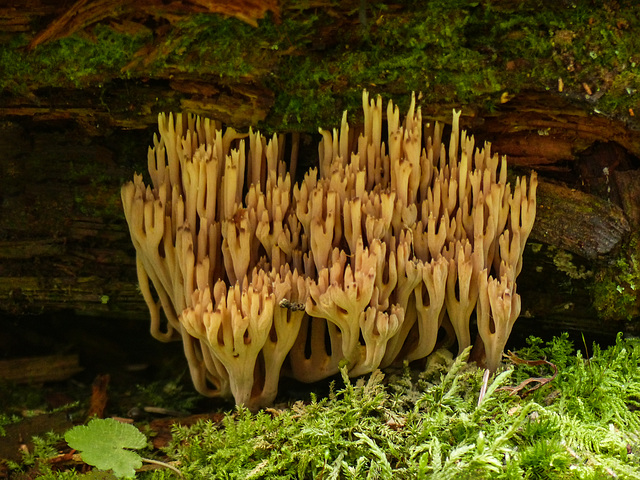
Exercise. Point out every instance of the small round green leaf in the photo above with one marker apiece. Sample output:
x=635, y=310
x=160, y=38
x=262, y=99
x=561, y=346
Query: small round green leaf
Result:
x=102, y=443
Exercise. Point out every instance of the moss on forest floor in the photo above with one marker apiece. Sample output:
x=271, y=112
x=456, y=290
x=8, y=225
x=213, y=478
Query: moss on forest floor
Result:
x=429, y=423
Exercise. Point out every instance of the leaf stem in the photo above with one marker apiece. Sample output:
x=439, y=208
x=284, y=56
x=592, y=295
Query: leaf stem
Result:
x=163, y=464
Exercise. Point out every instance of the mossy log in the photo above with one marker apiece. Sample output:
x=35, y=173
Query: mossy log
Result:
x=72, y=134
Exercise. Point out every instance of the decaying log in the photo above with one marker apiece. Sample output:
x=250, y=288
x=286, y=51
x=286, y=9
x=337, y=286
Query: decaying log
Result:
x=134, y=105
x=83, y=13
x=628, y=184
x=51, y=368
x=548, y=135
x=578, y=222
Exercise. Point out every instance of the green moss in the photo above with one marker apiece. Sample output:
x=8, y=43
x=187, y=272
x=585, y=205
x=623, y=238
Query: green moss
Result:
x=395, y=53
x=478, y=53
x=318, y=60
x=212, y=45
x=433, y=424
x=76, y=61
x=615, y=289
x=564, y=262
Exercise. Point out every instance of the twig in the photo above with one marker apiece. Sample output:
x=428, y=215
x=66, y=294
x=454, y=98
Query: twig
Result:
x=541, y=380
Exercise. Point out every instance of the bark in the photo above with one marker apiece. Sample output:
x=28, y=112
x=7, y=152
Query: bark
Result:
x=39, y=369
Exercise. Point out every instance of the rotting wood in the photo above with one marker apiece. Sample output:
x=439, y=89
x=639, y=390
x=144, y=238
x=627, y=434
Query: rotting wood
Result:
x=51, y=368
x=135, y=105
x=628, y=183
x=578, y=222
x=535, y=131
x=84, y=13
x=99, y=396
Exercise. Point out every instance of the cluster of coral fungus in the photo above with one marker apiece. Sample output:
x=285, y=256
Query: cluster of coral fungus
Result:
x=383, y=249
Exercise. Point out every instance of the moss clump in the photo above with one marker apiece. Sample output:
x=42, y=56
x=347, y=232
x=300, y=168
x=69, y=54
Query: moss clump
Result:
x=80, y=60
x=616, y=287
x=434, y=425
x=212, y=45
x=392, y=52
x=564, y=262
x=581, y=424
x=482, y=51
